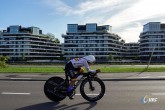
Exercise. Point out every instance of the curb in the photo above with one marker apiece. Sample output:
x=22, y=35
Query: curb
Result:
x=104, y=79
x=134, y=79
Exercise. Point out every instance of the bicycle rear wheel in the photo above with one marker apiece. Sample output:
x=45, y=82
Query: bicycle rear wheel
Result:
x=51, y=89
x=95, y=93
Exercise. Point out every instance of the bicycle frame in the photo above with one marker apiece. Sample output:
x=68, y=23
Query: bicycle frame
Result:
x=83, y=76
x=56, y=88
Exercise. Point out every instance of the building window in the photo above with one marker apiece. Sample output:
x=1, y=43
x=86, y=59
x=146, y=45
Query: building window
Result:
x=91, y=27
x=72, y=28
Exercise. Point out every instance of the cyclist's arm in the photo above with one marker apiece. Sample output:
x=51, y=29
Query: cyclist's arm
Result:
x=87, y=67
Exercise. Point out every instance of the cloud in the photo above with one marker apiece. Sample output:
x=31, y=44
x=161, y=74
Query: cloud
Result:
x=91, y=10
x=88, y=6
x=125, y=22
x=131, y=34
x=1, y=29
x=126, y=17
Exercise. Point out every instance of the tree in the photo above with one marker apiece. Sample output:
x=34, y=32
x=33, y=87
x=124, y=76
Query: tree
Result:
x=52, y=38
x=3, y=60
x=57, y=41
x=23, y=56
x=110, y=57
x=61, y=57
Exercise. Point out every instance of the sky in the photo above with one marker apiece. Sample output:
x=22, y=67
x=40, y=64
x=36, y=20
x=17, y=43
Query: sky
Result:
x=126, y=17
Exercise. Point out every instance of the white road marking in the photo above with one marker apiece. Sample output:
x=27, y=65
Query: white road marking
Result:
x=160, y=76
x=90, y=94
x=149, y=77
x=142, y=77
x=145, y=74
x=145, y=77
x=30, y=75
x=158, y=93
x=20, y=78
x=14, y=93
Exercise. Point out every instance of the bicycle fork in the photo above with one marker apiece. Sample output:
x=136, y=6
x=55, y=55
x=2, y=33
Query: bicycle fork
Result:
x=90, y=84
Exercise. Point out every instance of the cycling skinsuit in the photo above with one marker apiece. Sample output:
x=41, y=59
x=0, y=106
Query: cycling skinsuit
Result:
x=75, y=65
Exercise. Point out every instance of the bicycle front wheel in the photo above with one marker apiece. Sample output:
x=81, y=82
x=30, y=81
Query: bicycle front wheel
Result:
x=95, y=93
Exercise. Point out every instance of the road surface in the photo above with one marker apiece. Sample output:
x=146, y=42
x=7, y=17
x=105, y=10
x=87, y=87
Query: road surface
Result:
x=120, y=95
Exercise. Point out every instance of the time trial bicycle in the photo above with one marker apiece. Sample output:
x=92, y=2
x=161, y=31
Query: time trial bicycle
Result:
x=92, y=88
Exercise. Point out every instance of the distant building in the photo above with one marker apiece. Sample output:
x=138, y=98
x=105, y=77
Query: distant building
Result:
x=131, y=52
x=152, y=40
x=21, y=43
x=91, y=39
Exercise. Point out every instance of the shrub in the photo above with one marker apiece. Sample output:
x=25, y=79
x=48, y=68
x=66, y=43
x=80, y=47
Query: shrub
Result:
x=3, y=60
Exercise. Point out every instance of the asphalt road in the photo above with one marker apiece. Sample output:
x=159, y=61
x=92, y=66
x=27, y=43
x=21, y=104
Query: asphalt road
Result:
x=120, y=95
x=104, y=76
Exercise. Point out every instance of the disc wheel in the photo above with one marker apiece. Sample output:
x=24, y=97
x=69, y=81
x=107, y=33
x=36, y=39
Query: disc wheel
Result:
x=51, y=89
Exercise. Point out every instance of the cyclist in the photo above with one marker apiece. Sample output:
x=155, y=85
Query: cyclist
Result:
x=76, y=64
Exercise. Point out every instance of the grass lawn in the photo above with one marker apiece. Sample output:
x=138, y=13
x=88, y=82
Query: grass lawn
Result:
x=60, y=69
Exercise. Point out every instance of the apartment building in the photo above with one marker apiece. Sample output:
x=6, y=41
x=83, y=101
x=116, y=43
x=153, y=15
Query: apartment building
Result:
x=27, y=43
x=152, y=42
x=131, y=52
x=91, y=39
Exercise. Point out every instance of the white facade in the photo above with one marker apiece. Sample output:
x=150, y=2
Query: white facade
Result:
x=18, y=42
x=131, y=51
x=90, y=39
x=152, y=40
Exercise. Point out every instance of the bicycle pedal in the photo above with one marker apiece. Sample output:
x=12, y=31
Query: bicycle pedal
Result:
x=72, y=94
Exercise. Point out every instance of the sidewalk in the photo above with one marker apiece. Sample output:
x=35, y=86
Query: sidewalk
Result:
x=103, y=76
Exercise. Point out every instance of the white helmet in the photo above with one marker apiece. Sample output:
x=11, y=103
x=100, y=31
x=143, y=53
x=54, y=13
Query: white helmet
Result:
x=90, y=58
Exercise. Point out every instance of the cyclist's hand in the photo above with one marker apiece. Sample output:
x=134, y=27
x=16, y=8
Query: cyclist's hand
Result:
x=98, y=71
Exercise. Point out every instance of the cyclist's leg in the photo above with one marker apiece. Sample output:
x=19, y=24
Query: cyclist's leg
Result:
x=70, y=70
x=71, y=90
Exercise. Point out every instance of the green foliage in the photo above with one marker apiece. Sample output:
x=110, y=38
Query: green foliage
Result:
x=32, y=70
x=3, y=60
x=57, y=41
x=2, y=64
x=52, y=38
x=104, y=69
x=23, y=56
x=61, y=57
x=111, y=57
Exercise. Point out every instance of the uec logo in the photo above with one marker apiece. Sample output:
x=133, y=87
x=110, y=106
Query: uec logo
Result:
x=148, y=99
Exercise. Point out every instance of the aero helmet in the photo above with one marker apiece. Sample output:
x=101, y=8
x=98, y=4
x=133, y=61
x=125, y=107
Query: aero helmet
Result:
x=90, y=58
